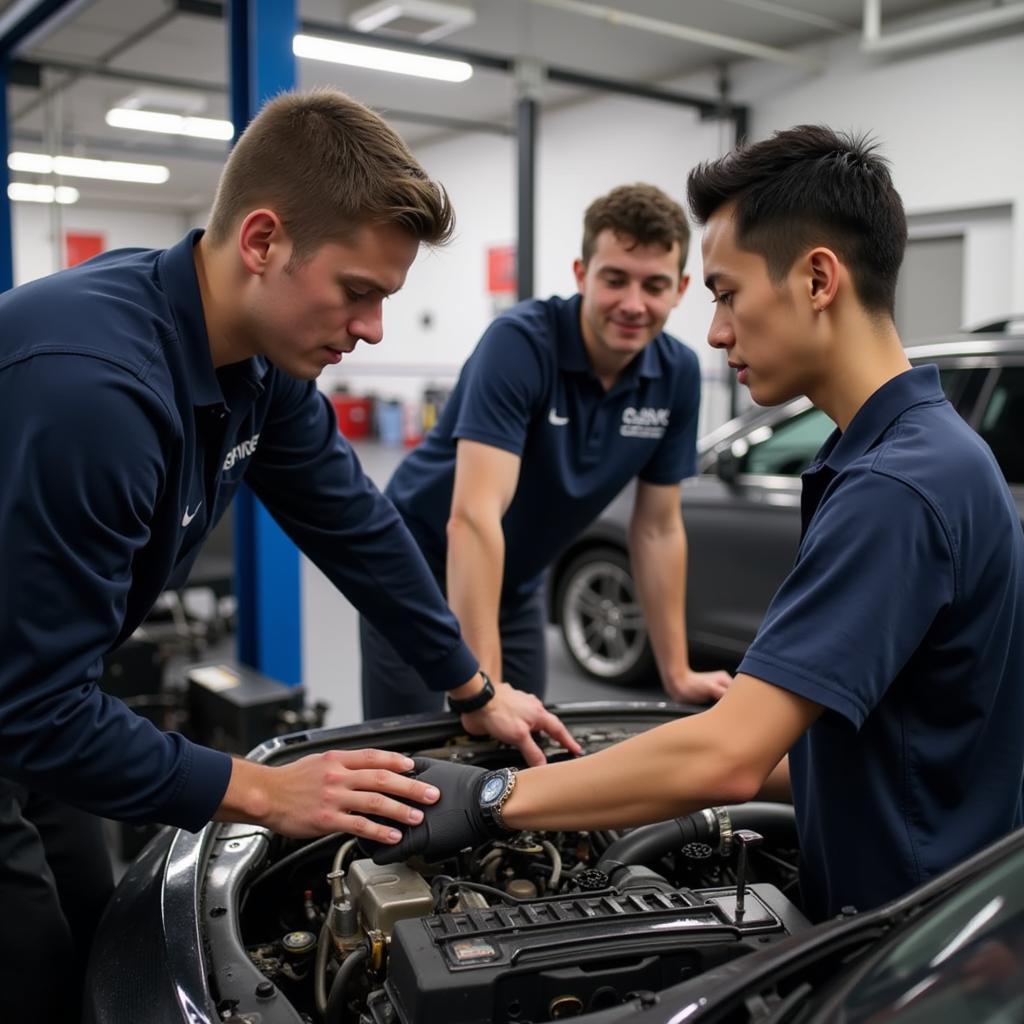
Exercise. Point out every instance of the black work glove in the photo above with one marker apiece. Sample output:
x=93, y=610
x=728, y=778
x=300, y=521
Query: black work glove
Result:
x=451, y=824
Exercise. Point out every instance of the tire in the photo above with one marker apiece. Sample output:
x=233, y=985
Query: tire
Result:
x=600, y=619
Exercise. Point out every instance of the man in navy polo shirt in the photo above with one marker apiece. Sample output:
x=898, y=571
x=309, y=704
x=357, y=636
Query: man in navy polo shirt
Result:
x=137, y=392
x=563, y=403
x=890, y=664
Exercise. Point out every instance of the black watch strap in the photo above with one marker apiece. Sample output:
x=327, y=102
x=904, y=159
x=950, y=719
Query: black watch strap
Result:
x=477, y=701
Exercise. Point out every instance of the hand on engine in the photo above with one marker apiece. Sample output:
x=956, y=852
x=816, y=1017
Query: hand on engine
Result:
x=452, y=824
x=512, y=716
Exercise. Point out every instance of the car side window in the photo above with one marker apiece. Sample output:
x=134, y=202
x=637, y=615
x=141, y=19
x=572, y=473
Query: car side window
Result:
x=787, y=448
x=1002, y=423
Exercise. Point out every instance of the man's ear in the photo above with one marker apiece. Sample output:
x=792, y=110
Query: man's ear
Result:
x=822, y=277
x=579, y=270
x=684, y=283
x=260, y=232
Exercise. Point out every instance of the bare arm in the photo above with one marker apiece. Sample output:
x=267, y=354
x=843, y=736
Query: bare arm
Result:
x=485, y=482
x=722, y=755
x=777, y=786
x=657, y=547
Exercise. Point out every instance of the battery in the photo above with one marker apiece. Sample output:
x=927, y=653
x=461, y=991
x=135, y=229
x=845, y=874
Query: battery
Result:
x=234, y=708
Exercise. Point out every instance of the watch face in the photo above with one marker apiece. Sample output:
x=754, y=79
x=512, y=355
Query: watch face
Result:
x=493, y=788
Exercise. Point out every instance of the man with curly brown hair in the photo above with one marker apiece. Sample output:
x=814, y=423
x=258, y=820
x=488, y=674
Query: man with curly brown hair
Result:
x=561, y=405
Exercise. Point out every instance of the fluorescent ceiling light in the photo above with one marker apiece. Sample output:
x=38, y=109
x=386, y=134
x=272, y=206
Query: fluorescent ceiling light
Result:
x=170, y=124
x=22, y=192
x=80, y=167
x=376, y=58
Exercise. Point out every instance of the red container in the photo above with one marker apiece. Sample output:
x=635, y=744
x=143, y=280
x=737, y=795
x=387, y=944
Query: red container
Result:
x=354, y=415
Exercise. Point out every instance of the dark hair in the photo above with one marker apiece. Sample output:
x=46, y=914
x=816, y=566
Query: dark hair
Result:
x=641, y=212
x=327, y=165
x=808, y=186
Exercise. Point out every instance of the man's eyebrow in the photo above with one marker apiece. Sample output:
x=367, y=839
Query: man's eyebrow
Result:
x=625, y=273
x=367, y=282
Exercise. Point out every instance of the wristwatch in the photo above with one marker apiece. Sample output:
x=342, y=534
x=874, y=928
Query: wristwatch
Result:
x=477, y=701
x=495, y=789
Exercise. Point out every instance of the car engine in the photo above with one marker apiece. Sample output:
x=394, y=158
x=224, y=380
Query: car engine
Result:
x=539, y=927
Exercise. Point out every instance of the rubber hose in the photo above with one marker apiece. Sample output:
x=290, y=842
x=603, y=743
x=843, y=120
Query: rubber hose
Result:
x=651, y=842
x=342, y=980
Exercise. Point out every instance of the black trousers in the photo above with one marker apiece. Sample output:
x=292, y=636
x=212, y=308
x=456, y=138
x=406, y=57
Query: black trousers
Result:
x=391, y=687
x=55, y=880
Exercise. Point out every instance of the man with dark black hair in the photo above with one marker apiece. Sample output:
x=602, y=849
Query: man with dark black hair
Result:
x=890, y=662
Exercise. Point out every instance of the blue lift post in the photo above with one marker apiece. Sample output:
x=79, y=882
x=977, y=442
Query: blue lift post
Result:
x=267, y=578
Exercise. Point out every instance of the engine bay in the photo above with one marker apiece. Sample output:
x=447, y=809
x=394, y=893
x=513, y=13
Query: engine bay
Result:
x=538, y=927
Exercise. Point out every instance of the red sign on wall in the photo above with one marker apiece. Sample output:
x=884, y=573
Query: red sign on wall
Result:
x=80, y=246
x=501, y=269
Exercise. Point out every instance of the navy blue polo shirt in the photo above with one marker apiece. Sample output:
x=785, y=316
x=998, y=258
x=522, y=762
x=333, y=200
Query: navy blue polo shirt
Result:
x=529, y=389
x=120, y=448
x=904, y=618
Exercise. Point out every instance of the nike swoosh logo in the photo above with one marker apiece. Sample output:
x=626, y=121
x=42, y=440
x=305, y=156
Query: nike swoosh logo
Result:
x=557, y=421
x=189, y=516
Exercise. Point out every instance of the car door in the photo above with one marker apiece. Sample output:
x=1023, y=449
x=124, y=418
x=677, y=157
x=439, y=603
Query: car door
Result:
x=743, y=515
x=743, y=525
x=998, y=416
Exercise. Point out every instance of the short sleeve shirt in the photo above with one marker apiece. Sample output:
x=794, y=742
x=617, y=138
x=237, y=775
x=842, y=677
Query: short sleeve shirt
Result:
x=528, y=388
x=904, y=618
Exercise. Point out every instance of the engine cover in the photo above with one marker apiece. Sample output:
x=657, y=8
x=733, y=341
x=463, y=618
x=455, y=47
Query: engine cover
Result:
x=564, y=955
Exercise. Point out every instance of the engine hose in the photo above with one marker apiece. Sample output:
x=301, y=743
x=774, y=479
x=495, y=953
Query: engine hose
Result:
x=339, y=987
x=649, y=843
x=320, y=969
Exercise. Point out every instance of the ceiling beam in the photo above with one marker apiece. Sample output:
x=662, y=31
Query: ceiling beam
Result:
x=657, y=26
x=25, y=21
x=568, y=76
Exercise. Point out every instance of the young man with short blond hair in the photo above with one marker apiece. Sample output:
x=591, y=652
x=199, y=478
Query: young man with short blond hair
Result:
x=137, y=392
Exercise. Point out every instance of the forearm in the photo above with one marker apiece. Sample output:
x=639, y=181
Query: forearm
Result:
x=475, y=567
x=664, y=773
x=659, y=568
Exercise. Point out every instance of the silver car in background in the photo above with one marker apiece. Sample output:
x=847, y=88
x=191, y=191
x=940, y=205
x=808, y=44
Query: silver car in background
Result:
x=742, y=515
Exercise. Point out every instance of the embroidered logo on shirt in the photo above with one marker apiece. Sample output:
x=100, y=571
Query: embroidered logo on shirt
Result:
x=242, y=450
x=555, y=420
x=645, y=422
x=189, y=516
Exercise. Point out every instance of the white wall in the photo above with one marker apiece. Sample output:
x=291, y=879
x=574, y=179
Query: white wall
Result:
x=38, y=237
x=584, y=150
x=950, y=123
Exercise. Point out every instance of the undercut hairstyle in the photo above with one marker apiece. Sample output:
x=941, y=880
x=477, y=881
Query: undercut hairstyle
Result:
x=640, y=212
x=327, y=166
x=811, y=186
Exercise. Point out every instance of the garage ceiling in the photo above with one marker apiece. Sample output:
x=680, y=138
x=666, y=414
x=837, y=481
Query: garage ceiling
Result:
x=112, y=50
